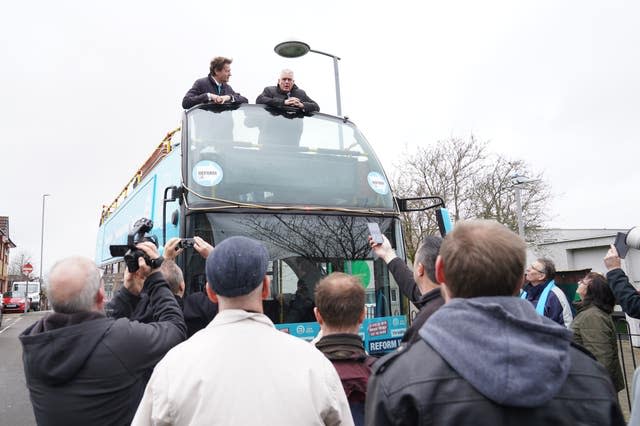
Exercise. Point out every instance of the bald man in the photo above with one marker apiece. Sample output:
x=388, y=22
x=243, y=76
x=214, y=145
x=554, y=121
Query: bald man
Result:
x=84, y=368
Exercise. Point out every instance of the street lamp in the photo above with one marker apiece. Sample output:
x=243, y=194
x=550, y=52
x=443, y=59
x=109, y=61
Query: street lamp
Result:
x=295, y=49
x=518, y=182
x=42, y=241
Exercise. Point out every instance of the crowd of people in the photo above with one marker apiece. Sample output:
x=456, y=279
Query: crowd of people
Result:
x=480, y=350
x=494, y=341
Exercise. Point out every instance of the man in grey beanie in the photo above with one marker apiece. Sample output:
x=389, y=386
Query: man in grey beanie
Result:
x=239, y=369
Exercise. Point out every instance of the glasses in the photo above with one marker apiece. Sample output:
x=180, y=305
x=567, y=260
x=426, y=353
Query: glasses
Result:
x=536, y=269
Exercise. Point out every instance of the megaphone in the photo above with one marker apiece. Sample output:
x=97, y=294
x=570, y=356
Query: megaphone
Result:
x=626, y=241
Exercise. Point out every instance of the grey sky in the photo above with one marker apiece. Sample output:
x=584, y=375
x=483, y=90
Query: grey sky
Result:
x=87, y=90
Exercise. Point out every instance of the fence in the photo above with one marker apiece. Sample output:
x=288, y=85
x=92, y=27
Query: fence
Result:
x=628, y=358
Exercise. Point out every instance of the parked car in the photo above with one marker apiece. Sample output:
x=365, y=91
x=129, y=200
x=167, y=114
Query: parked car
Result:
x=1, y=309
x=33, y=292
x=13, y=302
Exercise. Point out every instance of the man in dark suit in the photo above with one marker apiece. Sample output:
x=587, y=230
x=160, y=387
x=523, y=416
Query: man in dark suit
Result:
x=287, y=94
x=213, y=88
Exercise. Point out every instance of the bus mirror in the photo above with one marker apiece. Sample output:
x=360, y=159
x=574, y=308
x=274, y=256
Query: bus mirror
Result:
x=444, y=221
x=419, y=204
x=171, y=193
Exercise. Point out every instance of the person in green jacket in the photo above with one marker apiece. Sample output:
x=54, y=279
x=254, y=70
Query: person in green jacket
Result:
x=593, y=327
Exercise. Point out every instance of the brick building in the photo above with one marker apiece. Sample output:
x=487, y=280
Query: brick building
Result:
x=5, y=245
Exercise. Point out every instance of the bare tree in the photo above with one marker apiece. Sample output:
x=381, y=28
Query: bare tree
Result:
x=446, y=169
x=18, y=259
x=494, y=195
x=474, y=184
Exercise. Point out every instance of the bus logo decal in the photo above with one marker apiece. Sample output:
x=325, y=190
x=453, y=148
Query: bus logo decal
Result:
x=378, y=183
x=207, y=173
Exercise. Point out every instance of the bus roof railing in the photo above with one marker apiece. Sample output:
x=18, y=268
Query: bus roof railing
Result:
x=161, y=151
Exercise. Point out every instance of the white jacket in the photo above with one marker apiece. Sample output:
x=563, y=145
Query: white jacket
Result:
x=240, y=370
x=567, y=315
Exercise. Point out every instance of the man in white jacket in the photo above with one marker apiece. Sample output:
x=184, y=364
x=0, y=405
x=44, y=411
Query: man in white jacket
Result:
x=240, y=370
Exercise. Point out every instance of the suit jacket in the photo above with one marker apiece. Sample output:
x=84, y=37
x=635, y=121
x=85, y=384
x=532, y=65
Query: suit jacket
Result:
x=273, y=96
x=198, y=93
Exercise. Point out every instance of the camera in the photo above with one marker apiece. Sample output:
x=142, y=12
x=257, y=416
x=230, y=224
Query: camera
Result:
x=129, y=251
x=186, y=243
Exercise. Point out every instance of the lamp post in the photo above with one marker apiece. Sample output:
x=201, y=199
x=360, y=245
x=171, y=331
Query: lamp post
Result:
x=42, y=242
x=518, y=182
x=295, y=49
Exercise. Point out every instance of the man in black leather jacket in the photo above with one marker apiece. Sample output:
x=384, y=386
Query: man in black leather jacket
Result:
x=486, y=357
x=287, y=94
x=85, y=368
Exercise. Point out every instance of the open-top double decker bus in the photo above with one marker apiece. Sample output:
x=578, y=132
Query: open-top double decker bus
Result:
x=304, y=185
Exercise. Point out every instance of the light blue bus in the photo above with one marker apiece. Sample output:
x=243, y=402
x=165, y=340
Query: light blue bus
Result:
x=304, y=185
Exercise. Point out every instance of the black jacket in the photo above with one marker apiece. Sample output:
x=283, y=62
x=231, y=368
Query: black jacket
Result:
x=427, y=303
x=491, y=361
x=197, y=309
x=87, y=369
x=273, y=96
x=198, y=312
x=198, y=93
x=626, y=295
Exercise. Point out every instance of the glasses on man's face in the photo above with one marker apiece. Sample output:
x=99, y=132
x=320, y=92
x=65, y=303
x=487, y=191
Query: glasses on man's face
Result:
x=536, y=269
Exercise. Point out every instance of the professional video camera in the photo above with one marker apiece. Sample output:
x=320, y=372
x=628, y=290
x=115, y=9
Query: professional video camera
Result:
x=129, y=251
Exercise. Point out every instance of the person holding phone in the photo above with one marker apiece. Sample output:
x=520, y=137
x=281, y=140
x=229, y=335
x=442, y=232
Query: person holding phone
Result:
x=625, y=293
x=419, y=285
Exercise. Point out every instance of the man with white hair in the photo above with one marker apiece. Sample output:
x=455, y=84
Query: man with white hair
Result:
x=84, y=368
x=287, y=94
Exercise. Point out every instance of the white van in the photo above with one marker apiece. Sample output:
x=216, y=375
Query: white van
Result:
x=33, y=292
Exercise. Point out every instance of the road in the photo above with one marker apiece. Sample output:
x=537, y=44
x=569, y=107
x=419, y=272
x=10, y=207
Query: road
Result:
x=15, y=407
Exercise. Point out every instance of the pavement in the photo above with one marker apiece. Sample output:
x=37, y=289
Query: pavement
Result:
x=15, y=406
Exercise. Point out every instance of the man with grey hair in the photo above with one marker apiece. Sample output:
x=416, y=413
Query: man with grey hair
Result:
x=419, y=285
x=287, y=94
x=240, y=368
x=84, y=368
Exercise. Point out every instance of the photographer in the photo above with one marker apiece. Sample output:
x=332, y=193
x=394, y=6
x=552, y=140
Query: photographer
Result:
x=82, y=367
x=197, y=309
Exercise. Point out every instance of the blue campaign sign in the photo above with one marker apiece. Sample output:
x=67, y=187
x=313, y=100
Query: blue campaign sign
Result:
x=304, y=330
x=383, y=334
x=380, y=335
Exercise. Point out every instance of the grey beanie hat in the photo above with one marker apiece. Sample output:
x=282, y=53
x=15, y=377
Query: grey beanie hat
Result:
x=237, y=266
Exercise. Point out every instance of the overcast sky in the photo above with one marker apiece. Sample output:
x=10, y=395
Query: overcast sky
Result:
x=88, y=89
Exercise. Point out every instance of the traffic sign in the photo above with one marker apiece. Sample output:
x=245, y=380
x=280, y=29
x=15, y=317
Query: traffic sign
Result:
x=27, y=268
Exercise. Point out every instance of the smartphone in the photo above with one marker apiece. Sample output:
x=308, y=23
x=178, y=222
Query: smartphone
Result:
x=621, y=244
x=186, y=243
x=374, y=231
